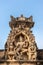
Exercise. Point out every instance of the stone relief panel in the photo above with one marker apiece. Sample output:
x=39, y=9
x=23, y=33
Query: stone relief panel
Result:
x=21, y=48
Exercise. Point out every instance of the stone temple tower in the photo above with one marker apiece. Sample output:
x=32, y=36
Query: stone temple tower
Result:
x=21, y=43
x=20, y=47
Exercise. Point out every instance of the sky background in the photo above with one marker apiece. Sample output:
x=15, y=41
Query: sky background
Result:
x=16, y=8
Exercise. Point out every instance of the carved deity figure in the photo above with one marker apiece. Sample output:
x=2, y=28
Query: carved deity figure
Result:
x=10, y=51
x=32, y=52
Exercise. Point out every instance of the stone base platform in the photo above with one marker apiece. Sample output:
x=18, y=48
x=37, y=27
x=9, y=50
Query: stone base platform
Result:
x=20, y=62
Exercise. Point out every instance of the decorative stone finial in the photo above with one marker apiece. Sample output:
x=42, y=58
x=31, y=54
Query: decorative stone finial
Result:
x=23, y=20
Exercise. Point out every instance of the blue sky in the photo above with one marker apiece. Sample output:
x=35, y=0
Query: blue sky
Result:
x=16, y=8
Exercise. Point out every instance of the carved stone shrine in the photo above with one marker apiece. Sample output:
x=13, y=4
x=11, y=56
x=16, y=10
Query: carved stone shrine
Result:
x=20, y=47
